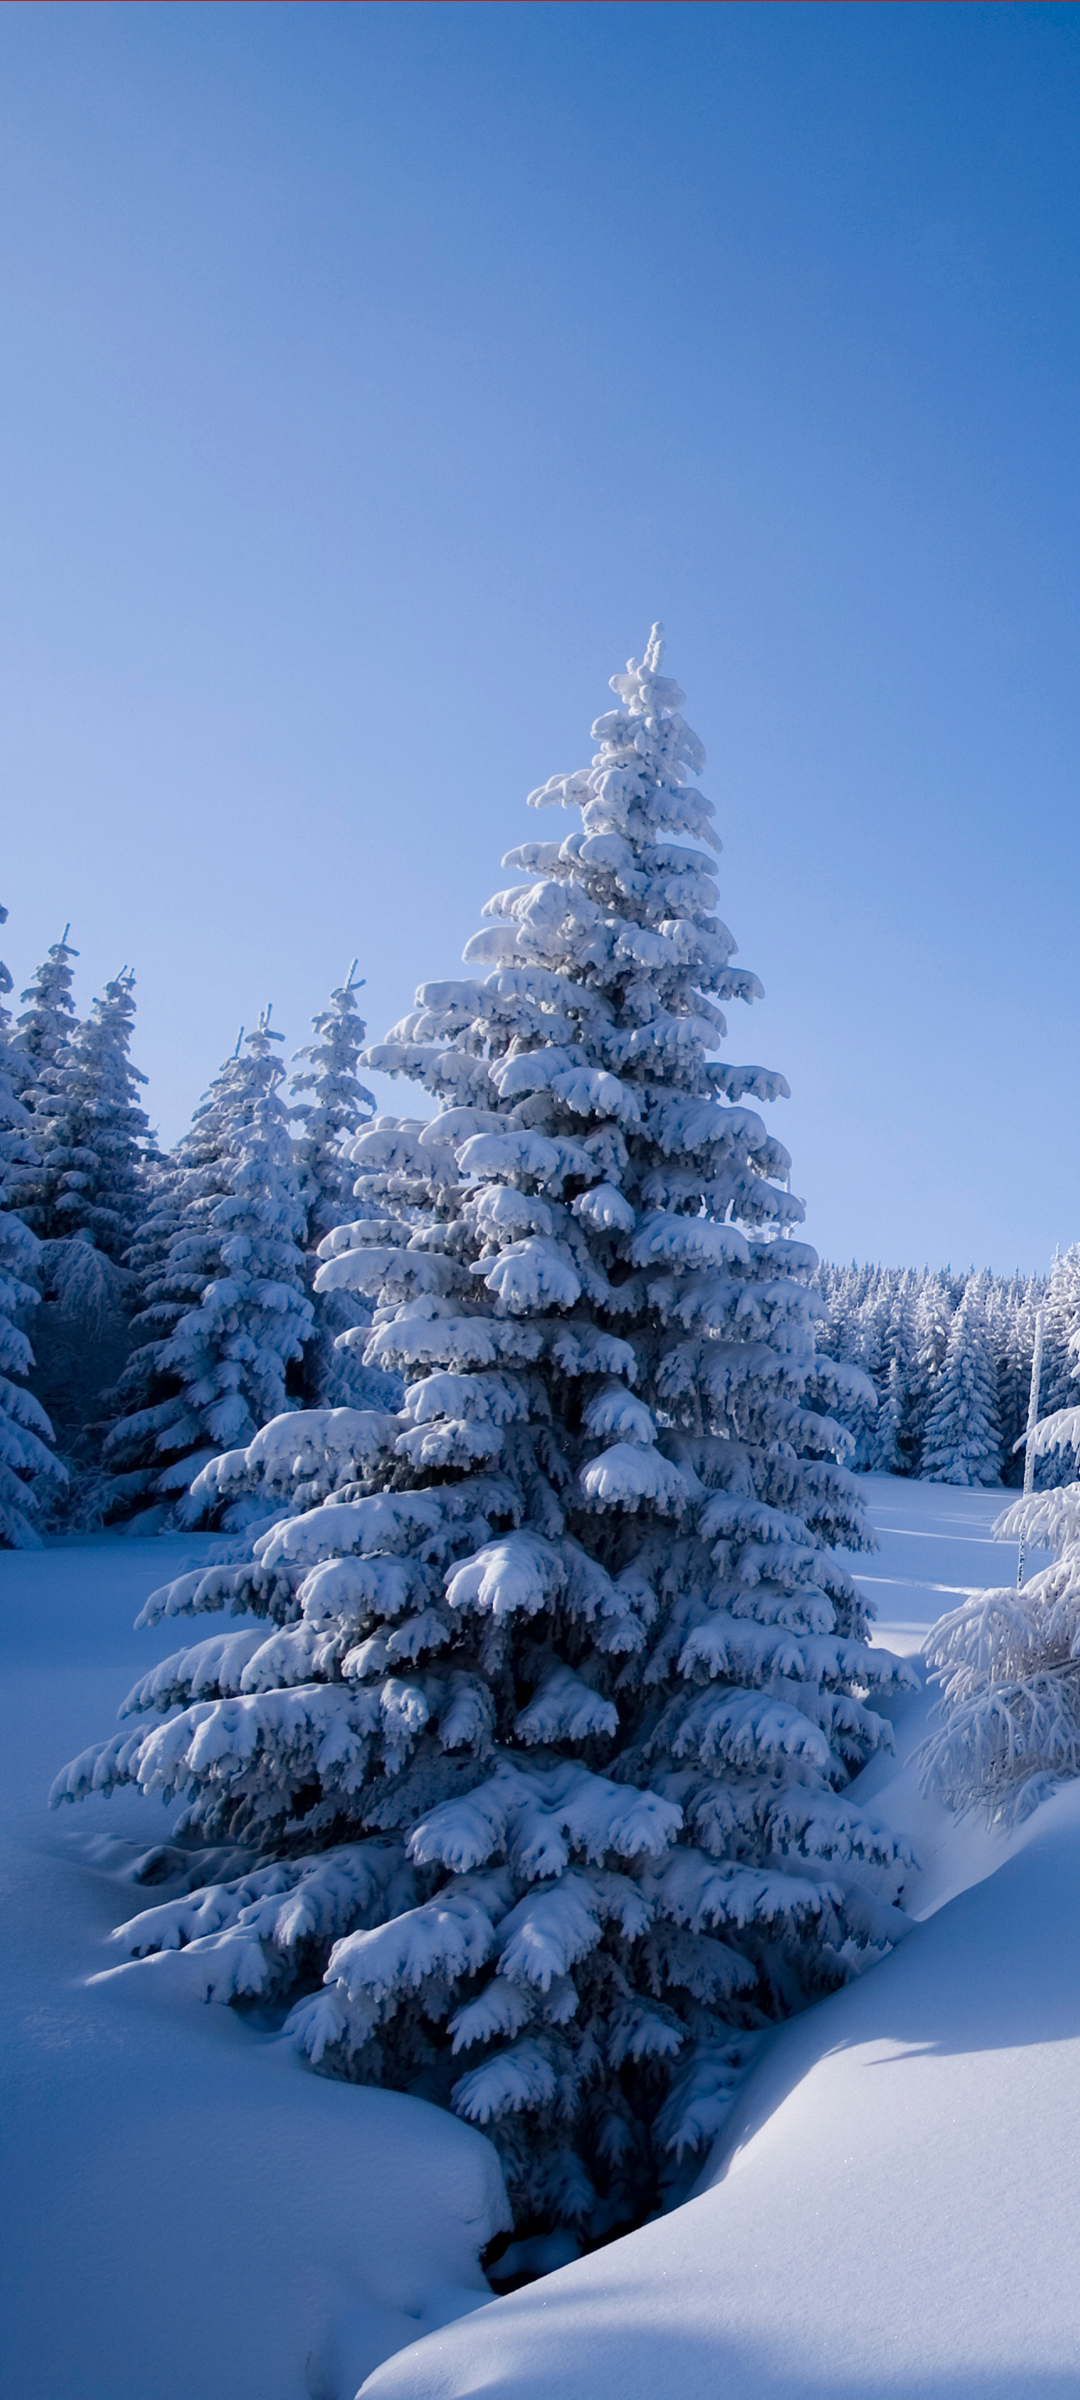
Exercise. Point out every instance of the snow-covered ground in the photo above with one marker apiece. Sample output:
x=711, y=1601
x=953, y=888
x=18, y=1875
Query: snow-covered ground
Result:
x=935, y=1544
x=188, y=2210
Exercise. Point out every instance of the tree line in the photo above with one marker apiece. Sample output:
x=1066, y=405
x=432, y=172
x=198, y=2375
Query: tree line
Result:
x=949, y=1357
x=158, y=1308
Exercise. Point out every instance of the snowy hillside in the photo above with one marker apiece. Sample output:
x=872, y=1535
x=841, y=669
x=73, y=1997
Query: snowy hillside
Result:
x=876, y=2221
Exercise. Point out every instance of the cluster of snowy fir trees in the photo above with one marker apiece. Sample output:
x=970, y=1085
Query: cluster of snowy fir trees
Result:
x=518, y=1775
x=169, y=1307
x=950, y=1358
x=157, y=1310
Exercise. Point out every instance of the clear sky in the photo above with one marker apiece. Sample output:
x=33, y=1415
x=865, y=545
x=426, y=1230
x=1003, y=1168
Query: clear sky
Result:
x=374, y=375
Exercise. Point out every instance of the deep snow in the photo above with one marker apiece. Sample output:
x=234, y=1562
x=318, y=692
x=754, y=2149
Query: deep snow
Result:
x=189, y=2210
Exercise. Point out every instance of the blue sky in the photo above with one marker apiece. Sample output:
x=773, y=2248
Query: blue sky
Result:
x=374, y=375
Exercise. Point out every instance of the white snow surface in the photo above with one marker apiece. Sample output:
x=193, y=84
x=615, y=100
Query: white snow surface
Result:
x=893, y=2208
x=187, y=2209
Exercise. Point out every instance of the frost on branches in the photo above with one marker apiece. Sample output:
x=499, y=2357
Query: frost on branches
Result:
x=28, y=1470
x=539, y=1724
x=1008, y=1662
x=225, y=1308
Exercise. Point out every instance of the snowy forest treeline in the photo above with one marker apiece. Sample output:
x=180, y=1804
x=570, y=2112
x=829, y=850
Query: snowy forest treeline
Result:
x=169, y=1296
x=950, y=1358
x=159, y=1308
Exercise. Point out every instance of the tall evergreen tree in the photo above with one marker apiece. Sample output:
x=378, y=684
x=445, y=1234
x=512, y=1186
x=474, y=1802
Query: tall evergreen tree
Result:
x=962, y=1443
x=131, y=1458
x=543, y=1754
x=905, y=1338
x=83, y=1199
x=91, y=1135
x=334, y=1107
x=828, y=1282
x=934, y=1313
x=891, y=1452
x=1012, y=1334
x=227, y=1313
x=871, y=1354
x=29, y=1473
x=48, y=1020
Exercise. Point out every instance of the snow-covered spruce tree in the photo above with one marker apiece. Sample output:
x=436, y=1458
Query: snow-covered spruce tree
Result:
x=830, y=1284
x=879, y=1451
x=934, y=1313
x=91, y=1134
x=543, y=1754
x=1012, y=1342
x=298, y=1459
x=334, y=1107
x=872, y=1356
x=855, y=1330
x=895, y=1444
x=84, y=1199
x=888, y=1447
x=962, y=1442
x=48, y=1019
x=140, y=1387
x=29, y=1473
x=1008, y=1662
x=227, y=1311
x=1061, y=1316
x=338, y=1105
